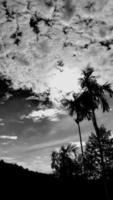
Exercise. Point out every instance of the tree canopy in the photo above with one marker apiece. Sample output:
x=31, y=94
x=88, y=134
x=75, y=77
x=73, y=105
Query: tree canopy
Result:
x=65, y=161
x=92, y=153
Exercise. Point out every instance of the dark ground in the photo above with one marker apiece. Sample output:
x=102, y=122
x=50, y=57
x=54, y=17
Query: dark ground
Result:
x=19, y=183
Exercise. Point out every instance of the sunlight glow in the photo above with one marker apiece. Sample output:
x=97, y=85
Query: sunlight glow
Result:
x=64, y=82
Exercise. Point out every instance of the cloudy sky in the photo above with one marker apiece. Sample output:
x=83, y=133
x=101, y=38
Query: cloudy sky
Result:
x=44, y=45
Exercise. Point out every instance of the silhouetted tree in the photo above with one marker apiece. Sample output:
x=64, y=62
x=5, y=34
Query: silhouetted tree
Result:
x=76, y=110
x=93, y=157
x=93, y=95
x=65, y=161
x=5, y=85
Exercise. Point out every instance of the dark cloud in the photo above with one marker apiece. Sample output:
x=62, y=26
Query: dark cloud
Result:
x=69, y=9
x=5, y=86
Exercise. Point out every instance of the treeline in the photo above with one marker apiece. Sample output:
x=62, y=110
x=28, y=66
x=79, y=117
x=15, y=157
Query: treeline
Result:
x=16, y=181
x=68, y=161
x=96, y=162
x=85, y=174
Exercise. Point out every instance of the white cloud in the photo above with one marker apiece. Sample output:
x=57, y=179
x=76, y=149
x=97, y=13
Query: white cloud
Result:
x=34, y=62
x=52, y=114
x=78, y=143
x=8, y=159
x=8, y=137
x=111, y=136
x=2, y=124
x=49, y=144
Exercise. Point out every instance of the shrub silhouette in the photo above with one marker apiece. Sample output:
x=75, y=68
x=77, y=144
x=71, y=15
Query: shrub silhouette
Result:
x=65, y=161
x=93, y=157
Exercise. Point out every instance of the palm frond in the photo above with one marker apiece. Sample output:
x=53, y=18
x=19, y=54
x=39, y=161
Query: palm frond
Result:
x=69, y=105
x=87, y=72
x=104, y=104
x=107, y=88
x=94, y=93
x=72, y=148
x=87, y=79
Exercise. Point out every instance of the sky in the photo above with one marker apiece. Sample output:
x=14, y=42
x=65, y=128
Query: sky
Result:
x=44, y=45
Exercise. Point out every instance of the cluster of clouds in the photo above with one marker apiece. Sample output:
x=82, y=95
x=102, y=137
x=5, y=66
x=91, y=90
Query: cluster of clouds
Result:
x=52, y=114
x=2, y=122
x=45, y=44
x=8, y=137
x=6, y=140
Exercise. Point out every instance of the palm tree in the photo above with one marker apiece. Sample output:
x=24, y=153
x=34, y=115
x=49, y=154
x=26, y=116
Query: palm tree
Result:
x=62, y=162
x=95, y=93
x=76, y=110
x=92, y=96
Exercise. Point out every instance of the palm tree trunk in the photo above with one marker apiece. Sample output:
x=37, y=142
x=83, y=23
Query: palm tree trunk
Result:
x=98, y=136
x=101, y=155
x=81, y=146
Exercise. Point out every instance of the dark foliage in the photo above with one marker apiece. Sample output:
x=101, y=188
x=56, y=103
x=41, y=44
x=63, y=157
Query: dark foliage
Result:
x=9, y=14
x=21, y=92
x=93, y=157
x=5, y=85
x=16, y=36
x=65, y=161
x=107, y=44
x=35, y=19
x=22, y=183
x=34, y=24
x=49, y=3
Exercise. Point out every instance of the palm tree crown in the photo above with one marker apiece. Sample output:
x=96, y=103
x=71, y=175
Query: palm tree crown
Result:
x=75, y=107
x=94, y=94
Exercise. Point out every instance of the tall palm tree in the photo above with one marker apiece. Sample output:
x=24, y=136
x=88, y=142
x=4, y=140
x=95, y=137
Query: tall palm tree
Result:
x=76, y=110
x=93, y=95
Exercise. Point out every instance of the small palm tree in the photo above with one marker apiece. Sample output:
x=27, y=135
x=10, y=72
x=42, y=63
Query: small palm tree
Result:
x=65, y=161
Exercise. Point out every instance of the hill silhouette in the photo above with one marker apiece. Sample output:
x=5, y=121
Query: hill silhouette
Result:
x=24, y=183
